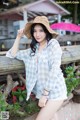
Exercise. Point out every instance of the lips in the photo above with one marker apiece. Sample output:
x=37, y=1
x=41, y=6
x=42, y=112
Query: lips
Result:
x=37, y=38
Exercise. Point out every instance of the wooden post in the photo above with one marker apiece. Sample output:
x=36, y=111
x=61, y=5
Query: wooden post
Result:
x=25, y=18
x=59, y=20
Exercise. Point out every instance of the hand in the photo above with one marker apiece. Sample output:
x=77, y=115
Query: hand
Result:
x=42, y=101
x=20, y=33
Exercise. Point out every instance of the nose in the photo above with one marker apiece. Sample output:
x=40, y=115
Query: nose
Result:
x=37, y=34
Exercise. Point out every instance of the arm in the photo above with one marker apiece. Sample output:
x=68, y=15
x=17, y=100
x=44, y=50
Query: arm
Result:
x=55, y=63
x=15, y=46
x=14, y=52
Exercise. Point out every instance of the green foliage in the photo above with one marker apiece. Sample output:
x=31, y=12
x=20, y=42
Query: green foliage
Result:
x=71, y=8
x=21, y=95
x=21, y=108
x=29, y=106
x=16, y=112
x=3, y=103
x=71, y=79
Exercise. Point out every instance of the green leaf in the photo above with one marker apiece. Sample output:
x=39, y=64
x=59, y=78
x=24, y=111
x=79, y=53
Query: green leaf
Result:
x=21, y=98
x=16, y=93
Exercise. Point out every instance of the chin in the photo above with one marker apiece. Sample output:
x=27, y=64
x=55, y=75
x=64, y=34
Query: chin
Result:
x=38, y=41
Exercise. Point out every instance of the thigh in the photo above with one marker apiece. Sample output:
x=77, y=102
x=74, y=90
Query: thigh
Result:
x=47, y=112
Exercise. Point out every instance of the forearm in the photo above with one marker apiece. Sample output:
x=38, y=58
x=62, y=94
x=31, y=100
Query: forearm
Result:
x=15, y=46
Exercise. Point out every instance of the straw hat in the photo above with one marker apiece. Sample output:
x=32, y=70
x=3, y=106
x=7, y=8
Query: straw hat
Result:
x=39, y=19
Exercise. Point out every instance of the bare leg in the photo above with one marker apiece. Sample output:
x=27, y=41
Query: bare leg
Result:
x=55, y=117
x=47, y=112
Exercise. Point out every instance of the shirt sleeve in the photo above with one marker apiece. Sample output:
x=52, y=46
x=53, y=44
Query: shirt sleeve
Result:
x=55, y=62
x=20, y=55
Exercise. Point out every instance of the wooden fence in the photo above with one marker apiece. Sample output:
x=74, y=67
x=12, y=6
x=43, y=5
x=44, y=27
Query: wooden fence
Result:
x=9, y=65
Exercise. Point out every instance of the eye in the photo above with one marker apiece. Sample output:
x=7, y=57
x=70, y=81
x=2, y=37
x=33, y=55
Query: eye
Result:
x=41, y=30
x=34, y=30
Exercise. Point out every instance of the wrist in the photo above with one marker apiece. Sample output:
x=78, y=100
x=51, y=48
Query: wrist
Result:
x=45, y=96
x=18, y=37
x=45, y=92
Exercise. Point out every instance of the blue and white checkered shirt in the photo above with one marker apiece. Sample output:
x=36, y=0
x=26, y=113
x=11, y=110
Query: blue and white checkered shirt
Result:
x=43, y=70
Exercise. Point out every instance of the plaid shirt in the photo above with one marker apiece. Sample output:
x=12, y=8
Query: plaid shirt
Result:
x=43, y=70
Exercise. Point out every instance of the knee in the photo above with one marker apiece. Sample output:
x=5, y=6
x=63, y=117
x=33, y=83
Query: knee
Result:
x=39, y=118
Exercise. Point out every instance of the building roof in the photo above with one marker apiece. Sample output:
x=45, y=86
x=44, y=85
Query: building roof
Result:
x=41, y=7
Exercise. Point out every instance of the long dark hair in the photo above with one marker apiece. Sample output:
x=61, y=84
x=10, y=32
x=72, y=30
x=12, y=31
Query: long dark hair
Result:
x=34, y=42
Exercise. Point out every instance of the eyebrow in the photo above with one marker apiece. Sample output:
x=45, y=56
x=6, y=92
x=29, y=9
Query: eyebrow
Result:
x=39, y=29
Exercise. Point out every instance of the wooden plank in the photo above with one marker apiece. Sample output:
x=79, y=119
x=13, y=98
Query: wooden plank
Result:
x=70, y=54
x=9, y=65
x=3, y=53
x=71, y=38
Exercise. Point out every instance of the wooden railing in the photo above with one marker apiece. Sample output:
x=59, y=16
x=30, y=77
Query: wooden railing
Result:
x=9, y=65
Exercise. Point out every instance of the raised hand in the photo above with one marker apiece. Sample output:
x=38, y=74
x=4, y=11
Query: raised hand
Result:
x=20, y=33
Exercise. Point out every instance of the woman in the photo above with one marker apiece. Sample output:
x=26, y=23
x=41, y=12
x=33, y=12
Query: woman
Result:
x=42, y=64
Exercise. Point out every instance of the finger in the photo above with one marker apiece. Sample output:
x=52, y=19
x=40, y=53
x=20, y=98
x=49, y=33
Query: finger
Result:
x=41, y=104
x=20, y=31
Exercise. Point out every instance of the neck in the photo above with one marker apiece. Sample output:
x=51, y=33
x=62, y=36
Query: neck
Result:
x=42, y=45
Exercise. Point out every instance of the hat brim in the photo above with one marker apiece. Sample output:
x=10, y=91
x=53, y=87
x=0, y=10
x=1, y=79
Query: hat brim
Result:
x=28, y=28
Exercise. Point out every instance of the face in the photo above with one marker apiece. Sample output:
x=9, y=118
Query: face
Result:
x=39, y=34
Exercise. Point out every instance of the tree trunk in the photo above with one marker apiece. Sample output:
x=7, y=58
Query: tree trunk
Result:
x=75, y=13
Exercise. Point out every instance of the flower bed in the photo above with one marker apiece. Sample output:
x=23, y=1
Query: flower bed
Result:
x=16, y=102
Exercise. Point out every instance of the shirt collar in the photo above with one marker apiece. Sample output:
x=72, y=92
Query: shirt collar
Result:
x=37, y=45
x=50, y=42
